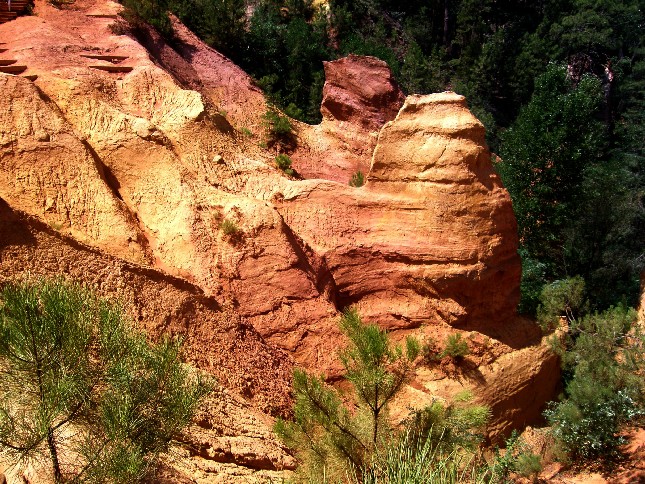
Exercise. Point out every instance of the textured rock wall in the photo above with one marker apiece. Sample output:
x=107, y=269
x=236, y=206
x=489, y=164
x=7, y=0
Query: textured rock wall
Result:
x=361, y=91
x=431, y=237
x=359, y=97
x=216, y=340
x=46, y=170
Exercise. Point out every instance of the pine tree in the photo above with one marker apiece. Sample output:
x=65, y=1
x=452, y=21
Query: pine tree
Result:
x=337, y=441
x=83, y=389
x=329, y=438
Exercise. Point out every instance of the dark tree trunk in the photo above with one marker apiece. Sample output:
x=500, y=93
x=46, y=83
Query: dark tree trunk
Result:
x=51, y=443
x=446, y=23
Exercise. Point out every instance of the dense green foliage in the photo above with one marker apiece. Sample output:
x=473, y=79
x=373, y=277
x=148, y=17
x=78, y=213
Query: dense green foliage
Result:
x=602, y=359
x=81, y=387
x=333, y=440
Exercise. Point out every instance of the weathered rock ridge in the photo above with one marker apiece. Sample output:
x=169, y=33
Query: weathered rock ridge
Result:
x=359, y=97
x=121, y=178
x=431, y=237
x=360, y=90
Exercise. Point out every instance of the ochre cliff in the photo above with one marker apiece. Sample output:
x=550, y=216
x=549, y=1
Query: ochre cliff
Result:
x=359, y=97
x=120, y=178
x=229, y=438
x=431, y=237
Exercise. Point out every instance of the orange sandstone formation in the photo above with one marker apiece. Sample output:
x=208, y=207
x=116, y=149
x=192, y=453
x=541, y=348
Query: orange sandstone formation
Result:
x=431, y=237
x=359, y=97
x=122, y=178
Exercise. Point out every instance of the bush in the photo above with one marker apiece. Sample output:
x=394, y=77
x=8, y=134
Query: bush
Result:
x=279, y=128
x=605, y=389
x=430, y=351
x=456, y=347
x=283, y=162
x=154, y=12
x=516, y=458
x=72, y=365
x=528, y=465
x=228, y=227
x=357, y=180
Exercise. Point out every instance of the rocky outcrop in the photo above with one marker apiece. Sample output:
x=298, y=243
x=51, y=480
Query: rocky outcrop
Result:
x=359, y=97
x=229, y=436
x=201, y=68
x=230, y=441
x=360, y=90
x=46, y=170
x=431, y=237
x=513, y=374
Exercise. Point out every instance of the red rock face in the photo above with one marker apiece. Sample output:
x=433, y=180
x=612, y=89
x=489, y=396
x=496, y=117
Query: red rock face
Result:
x=359, y=97
x=360, y=90
x=431, y=237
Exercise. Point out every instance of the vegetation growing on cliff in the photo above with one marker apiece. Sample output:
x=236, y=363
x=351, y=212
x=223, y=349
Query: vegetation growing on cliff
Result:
x=334, y=440
x=81, y=387
x=603, y=365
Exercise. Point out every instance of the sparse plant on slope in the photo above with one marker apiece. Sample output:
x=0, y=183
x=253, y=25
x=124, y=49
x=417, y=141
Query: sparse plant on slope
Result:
x=278, y=127
x=329, y=438
x=357, y=180
x=228, y=227
x=333, y=442
x=283, y=162
x=456, y=347
x=80, y=387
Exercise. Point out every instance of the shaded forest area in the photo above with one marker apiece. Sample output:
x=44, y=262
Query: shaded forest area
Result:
x=559, y=85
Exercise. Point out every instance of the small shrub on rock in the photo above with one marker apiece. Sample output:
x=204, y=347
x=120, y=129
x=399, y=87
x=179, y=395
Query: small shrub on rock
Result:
x=456, y=347
x=279, y=128
x=357, y=180
x=283, y=162
x=430, y=351
x=229, y=228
